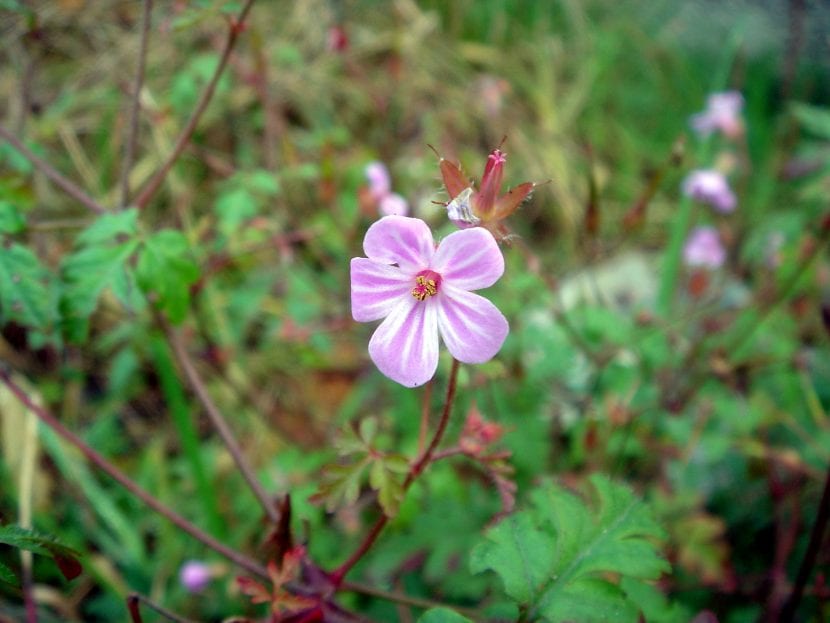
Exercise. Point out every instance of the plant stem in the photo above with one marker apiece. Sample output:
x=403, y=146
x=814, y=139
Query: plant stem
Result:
x=234, y=30
x=135, y=107
x=125, y=481
x=136, y=599
x=217, y=420
x=402, y=598
x=52, y=174
x=417, y=468
x=813, y=547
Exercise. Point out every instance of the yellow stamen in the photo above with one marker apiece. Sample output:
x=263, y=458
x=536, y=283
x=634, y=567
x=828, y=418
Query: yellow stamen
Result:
x=424, y=288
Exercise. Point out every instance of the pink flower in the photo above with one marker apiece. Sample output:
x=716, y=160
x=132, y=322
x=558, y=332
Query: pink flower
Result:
x=704, y=249
x=722, y=114
x=711, y=187
x=380, y=189
x=195, y=576
x=422, y=290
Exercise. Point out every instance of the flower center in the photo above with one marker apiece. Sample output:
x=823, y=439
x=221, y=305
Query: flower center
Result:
x=426, y=284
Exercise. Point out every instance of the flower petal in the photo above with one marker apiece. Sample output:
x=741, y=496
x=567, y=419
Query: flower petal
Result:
x=400, y=240
x=405, y=345
x=376, y=288
x=469, y=259
x=471, y=326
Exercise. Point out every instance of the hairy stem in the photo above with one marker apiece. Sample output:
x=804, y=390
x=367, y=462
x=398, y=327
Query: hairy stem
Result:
x=417, y=468
x=234, y=30
x=52, y=174
x=125, y=481
x=218, y=420
x=135, y=106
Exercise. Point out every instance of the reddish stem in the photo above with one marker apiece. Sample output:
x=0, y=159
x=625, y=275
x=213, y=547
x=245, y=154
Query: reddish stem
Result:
x=416, y=470
x=235, y=28
x=125, y=481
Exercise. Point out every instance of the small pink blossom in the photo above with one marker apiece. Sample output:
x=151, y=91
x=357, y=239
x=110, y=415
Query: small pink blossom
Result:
x=711, y=187
x=380, y=190
x=422, y=290
x=704, y=249
x=195, y=576
x=722, y=114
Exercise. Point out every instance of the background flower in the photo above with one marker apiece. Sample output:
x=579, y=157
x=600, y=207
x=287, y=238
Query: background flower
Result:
x=722, y=114
x=704, y=249
x=380, y=190
x=422, y=291
x=710, y=187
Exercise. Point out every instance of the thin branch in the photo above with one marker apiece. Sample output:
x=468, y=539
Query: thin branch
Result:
x=217, y=420
x=405, y=599
x=134, y=600
x=52, y=174
x=234, y=29
x=417, y=468
x=125, y=481
x=135, y=107
x=813, y=548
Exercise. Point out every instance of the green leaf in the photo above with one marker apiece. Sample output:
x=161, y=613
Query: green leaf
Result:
x=813, y=119
x=8, y=576
x=389, y=487
x=442, y=615
x=26, y=539
x=26, y=295
x=562, y=559
x=11, y=222
x=166, y=270
x=108, y=226
x=340, y=485
x=86, y=273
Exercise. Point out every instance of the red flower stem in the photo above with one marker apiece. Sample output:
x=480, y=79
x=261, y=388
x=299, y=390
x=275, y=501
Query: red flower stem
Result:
x=235, y=28
x=125, y=481
x=417, y=468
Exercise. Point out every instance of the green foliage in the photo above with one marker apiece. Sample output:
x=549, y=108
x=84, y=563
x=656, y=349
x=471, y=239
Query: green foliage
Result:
x=557, y=559
x=26, y=289
x=23, y=538
x=165, y=271
x=340, y=483
x=99, y=262
x=442, y=615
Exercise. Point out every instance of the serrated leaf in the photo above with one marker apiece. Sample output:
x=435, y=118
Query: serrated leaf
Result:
x=108, y=226
x=26, y=295
x=562, y=559
x=389, y=488
x=8, y=576
x=442, y=615
x=23, y=538
x=166, y=269
x=86, y=273
x=340, y=485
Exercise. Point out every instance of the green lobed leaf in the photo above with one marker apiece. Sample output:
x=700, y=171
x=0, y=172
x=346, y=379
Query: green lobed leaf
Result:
x=110, y=225
x=166, y=269
x=562, y=559
x=442, y=615
x=26, y=539
x=26, y=295
x=86, y=273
